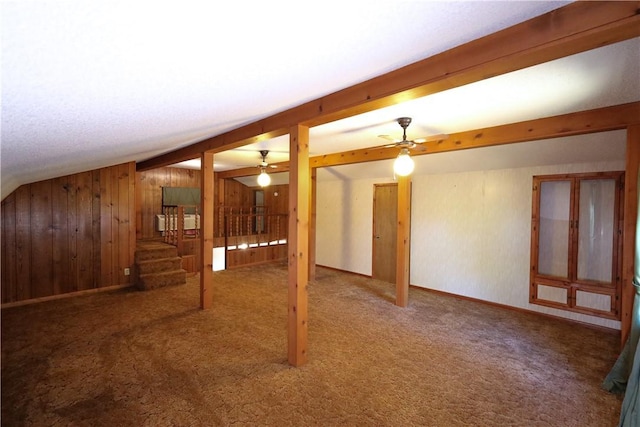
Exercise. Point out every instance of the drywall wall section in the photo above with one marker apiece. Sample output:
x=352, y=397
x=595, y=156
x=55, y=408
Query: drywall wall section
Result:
x=344, y=224
x=470, y=234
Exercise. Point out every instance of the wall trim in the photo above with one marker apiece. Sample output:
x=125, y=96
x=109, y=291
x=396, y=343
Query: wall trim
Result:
x=495, y=304
x=64, y=296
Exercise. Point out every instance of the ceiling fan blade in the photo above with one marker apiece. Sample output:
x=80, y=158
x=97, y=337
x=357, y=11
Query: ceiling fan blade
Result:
x=389, y=138
x=438, y=137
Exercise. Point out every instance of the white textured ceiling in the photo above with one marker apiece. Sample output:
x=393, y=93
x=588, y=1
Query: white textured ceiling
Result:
x=92, y=84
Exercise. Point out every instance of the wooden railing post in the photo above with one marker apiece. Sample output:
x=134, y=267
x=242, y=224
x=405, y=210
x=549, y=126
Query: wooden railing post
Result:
x=180, y=230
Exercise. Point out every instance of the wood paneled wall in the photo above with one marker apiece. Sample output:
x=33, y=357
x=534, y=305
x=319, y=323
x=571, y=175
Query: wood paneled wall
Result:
x=237, y=194
x=68, y=234
x=149, y=190
x=276, y=197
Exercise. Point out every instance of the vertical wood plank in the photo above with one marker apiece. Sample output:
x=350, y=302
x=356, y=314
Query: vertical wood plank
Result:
x=148, y=214
x=403, y=241
x=630, y=251
x=41, y=240
x=124, y=220
x=207, y=197
x=220, y=191
x=216, y=204
x=95, y=229
x=157, y=183
x=84, y=204
x=23, y=242
x=8, y=276
x=106, y=227
x=115, y=226
x=60, y=211
x=154, y=200
x=299, y=182
x=139, y=203
x=72, y=226
x=131, y=205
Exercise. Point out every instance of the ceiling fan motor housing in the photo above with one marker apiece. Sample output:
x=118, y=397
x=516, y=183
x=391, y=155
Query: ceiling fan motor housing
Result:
x=404, y=122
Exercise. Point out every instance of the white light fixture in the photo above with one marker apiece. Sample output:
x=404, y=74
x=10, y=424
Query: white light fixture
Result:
x=403, y=164
x=264, y=179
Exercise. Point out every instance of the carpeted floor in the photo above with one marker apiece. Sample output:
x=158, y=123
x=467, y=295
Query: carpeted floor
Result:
x=131, y=358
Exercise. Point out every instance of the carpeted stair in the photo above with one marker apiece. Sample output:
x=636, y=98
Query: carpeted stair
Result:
x=158, y=265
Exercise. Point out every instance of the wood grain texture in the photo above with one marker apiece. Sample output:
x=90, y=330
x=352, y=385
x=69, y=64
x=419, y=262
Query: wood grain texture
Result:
x=8, y=277
x=150, y=185
x=41, y=244
x=298, y=246
x=23, y=242
x=385, y=232
x=403, y=245
x=68, y=234
x=207, y=198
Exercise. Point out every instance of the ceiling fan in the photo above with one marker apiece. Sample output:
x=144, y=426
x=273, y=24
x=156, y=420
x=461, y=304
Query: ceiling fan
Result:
x=404, y=164
x=264, y=179
x=404, y=122
x=263, y=163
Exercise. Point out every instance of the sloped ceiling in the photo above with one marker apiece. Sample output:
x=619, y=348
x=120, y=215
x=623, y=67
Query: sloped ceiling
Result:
x=92, y=84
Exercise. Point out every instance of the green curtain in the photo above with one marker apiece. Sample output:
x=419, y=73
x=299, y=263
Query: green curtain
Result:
x=625, y=374
x=181, y=196
x=629, y=416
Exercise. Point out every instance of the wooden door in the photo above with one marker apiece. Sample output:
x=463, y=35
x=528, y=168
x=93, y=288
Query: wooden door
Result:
x=385, y=230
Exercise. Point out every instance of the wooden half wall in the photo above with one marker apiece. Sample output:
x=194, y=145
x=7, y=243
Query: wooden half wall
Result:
x=69, y=234
x=232, y=193
x=149, y=188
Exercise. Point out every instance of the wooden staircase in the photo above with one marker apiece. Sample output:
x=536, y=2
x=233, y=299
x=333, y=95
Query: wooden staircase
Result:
x=157, y=265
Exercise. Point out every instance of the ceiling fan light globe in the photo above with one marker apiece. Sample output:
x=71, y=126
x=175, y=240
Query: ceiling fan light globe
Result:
x=403, y=164
x=264, y=179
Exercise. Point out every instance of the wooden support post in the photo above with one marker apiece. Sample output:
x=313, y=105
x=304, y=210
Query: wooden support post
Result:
x=312, y=227
x=631, y=178
x=206, y=231
x=298, y=244
x=403, y=249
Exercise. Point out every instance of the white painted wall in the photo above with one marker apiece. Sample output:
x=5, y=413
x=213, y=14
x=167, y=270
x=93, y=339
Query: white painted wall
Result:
x=470, y=232
x=344, y=224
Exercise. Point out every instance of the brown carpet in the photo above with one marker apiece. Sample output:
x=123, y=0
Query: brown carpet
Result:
x=131, y=358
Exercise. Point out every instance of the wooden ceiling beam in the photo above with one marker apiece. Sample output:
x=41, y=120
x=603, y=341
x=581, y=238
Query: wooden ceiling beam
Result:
x=574, y=28
x=597, y=120
x=590, y=121
x=253, y=170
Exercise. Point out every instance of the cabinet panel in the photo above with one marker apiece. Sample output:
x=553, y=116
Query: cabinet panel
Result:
x=575, y=243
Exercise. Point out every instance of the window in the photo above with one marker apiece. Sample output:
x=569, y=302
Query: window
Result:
x=576, y=242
